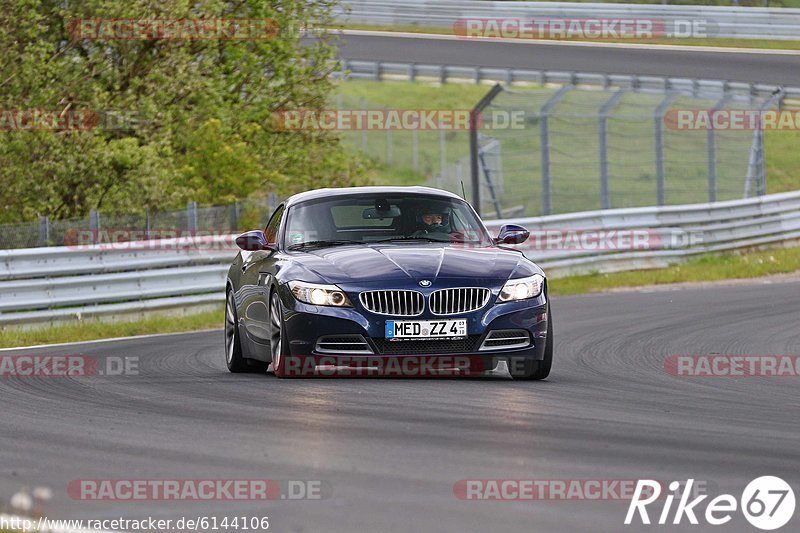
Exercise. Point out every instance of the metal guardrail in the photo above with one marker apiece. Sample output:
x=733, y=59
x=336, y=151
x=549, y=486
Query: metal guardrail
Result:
x=376, y=70
x=721, y=21
x=670, y=233
x=59, y=283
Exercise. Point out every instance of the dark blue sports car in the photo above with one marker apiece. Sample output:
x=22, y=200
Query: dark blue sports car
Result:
x=385, y=281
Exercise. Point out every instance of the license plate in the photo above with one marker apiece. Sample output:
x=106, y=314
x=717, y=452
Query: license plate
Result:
x=426, y=329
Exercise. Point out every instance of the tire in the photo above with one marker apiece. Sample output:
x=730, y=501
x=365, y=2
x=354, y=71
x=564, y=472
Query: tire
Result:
x=233, y=345
x=276, y=343
x=236, y=362
x=537, y=370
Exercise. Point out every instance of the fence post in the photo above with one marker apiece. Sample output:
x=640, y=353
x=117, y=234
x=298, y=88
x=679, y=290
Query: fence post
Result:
x=604, y=111
x=544, y=146
x=389, y=144
x=273, y=203
x=756, y=165
x=362, y=104
x=191, y=217
x=44, y=231
x=712, y=150
x=474, y=147
x=94, y=225
x=233, y=211
x=661, y=111
x=415, y=149
x=442, y=152
x=147, y=223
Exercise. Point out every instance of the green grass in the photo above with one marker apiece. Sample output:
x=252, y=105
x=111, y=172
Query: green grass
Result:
x=100, y=329
x=710, y=267
x=764, y=44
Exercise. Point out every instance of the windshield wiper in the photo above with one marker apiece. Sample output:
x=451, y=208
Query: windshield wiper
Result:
x=409, y=239
x=322, y=244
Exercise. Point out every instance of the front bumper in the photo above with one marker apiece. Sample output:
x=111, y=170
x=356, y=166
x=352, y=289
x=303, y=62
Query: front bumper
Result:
x=305, y=325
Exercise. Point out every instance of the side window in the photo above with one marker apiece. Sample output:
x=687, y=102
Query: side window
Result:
x=274, y=225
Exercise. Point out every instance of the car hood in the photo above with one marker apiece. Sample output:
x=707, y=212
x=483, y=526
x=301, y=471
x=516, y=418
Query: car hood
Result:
x=397, y=263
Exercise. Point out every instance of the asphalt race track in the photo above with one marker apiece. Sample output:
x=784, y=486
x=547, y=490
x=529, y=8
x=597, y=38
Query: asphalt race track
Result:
x=767, y=67
x=390, y=450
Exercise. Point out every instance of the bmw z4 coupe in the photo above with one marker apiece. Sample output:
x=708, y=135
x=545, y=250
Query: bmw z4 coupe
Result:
x=385, y=281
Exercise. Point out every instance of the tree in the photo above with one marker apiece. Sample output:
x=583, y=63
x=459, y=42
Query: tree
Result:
x=160, y=120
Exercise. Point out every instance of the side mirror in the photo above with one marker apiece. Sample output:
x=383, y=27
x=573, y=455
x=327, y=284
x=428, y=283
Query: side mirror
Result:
x=253, y=241
x=512, y=234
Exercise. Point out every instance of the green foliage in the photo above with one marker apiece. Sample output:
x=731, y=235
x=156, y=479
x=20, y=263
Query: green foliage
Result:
x=178, y=120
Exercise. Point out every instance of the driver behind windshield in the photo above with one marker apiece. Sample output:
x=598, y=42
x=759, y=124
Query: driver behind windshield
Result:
x=432, y=220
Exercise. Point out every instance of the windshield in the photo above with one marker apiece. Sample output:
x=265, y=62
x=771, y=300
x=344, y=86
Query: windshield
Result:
x=375, y=218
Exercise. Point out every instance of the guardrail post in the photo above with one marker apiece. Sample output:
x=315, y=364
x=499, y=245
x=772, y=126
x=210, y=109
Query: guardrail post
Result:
x=712, y=150
x=44, y=230
x=412, y=72
x=603, y=127
x=94, y=225
x=191, y=217
x=661, y=111
x=544, y=146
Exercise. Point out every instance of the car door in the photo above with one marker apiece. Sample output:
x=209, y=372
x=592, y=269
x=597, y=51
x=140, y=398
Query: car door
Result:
x=258, y=270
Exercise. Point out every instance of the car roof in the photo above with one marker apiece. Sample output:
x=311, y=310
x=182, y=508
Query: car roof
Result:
x=357, y=191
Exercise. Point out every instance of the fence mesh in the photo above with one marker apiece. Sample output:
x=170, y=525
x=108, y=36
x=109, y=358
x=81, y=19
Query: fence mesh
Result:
x=115, y=227
x=582, y=149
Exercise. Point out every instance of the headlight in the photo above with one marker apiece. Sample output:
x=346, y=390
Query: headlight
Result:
x=314, y=294
x=522, y=288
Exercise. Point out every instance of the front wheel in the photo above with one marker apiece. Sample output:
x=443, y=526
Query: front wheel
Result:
x=233, y=346
x=276, y=336
x=234, y=358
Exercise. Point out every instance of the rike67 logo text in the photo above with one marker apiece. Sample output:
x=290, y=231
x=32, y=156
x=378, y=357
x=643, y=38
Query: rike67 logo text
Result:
x=767, y=502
